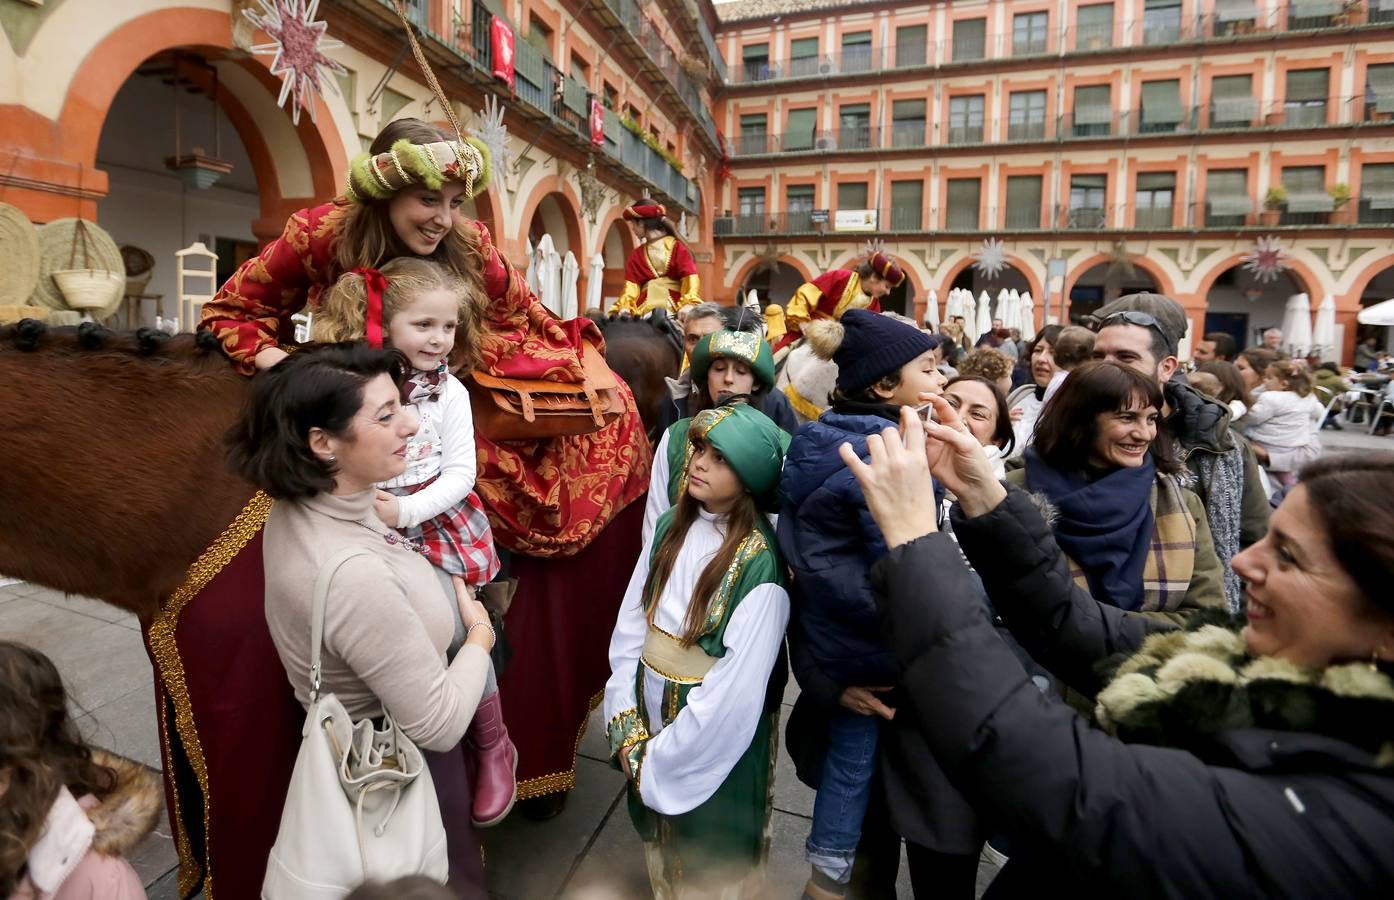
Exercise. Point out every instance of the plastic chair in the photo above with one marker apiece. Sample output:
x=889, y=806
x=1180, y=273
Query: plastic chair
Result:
x=191, y=303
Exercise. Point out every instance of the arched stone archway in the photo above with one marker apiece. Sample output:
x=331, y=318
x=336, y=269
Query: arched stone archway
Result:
x=772, y=282
x=553, y=212
x=616, y=245
x=295, y=166
x=1100, y=279
x=1374, y=287
x=1241, y=305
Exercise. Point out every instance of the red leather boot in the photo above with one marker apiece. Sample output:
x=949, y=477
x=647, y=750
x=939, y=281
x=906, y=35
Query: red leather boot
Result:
x=496, y=764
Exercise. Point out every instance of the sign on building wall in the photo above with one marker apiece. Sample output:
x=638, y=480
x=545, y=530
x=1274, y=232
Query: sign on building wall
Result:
x=854, y=220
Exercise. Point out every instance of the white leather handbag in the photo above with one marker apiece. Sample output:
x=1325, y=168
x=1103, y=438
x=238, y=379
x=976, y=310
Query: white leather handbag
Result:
x=361, y=802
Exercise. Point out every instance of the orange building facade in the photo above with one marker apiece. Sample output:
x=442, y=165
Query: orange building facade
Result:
x=95, y=95
x=1108, y=147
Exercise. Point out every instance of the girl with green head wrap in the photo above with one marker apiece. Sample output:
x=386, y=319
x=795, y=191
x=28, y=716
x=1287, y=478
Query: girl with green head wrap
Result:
x=691, y=706
x=726, y=367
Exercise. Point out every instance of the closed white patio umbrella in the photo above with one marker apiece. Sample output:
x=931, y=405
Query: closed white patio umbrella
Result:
x=594, y=277
x=1324, y=331
x=570, y=276
x=1028, y=317
x=984, y=316
x=1297, y=325
x=931, y=310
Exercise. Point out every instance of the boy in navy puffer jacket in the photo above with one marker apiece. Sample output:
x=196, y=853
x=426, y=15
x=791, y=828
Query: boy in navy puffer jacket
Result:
x=828, y=538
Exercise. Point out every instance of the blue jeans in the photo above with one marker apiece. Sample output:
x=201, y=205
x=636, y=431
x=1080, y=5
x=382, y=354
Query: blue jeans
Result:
x=843, y=793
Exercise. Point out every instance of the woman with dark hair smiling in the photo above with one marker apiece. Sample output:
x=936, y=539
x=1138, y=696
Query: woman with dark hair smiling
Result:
x=320, y=430
x=1136, y=537
x=983, y=407
x=1228, y=761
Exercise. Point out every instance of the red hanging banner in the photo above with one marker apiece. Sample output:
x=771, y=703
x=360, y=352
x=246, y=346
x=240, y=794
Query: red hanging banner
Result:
x=501, y=42
x=597, y=122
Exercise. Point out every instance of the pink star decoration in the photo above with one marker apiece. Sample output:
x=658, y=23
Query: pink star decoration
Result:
x=1267, y=260
x=298, y=44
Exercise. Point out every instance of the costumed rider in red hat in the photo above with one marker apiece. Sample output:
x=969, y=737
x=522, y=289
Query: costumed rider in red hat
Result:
x=660, y=274
x=833, y=293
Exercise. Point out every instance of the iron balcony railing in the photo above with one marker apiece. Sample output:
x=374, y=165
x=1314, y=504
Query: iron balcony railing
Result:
x=542, y=86
x=1231, y=213
x=1222, y=114
x=1220, y=21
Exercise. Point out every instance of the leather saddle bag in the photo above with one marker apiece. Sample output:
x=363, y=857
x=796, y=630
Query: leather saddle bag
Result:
x=520, y=409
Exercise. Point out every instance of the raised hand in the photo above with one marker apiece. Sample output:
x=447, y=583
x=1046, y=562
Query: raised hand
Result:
x=957, y=459
x=896, y=484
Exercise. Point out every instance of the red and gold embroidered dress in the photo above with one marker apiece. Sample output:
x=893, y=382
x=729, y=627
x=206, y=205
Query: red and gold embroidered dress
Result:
x=659, y=274
x=826, y=297
x=544, y=498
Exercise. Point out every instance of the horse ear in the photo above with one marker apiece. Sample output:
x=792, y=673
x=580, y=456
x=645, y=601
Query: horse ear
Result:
x=824, y=336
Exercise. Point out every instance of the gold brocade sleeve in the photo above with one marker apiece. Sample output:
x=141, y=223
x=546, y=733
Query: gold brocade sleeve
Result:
x=625, y=730
x=691, y=291
x=800, y=307
x=629, y=299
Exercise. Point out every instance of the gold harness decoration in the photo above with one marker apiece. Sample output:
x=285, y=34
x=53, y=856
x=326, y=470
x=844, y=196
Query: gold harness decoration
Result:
x=170, y=669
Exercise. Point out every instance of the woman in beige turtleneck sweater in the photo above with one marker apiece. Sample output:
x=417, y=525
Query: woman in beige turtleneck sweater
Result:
x=320, y=430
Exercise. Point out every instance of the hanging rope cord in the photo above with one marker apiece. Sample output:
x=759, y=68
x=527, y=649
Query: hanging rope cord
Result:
x=427, y=71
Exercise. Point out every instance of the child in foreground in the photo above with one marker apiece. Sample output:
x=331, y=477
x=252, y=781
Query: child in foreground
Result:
x=431, y=317
x=691, y=722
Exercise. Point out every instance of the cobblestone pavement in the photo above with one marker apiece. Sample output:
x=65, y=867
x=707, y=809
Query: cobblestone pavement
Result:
x=589, y=851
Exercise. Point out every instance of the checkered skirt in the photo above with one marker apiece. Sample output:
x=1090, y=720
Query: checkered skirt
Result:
x=459, y=540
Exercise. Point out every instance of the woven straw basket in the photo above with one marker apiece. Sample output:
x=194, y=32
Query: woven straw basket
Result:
x=89, y=289
x=13, y=312
x=57, y=241
x=19, y=249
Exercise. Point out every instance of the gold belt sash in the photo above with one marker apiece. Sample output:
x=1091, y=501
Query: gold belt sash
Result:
x=665, y=655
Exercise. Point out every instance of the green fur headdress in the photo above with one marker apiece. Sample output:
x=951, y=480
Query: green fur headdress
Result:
x=379, y=177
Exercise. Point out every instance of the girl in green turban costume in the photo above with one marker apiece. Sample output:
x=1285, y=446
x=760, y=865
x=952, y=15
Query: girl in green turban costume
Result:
x=699, y=632
x=727, y=366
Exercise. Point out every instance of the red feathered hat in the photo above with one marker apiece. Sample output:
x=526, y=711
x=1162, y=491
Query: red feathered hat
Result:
x=884, y=266
x=644, y=209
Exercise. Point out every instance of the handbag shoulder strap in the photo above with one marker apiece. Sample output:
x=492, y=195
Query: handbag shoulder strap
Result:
x=326, y=574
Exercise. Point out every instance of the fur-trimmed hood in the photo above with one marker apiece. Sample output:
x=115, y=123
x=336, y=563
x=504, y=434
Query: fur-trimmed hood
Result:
x=1184, y=688
x=126, y=815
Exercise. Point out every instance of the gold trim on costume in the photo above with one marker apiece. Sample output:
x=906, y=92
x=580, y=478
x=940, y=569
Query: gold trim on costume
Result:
x=802, y=405
x=625, y=730
x=165, y=649
x=850, y=293
x=753, y=545
x=560, y=781
x=658, y=253
x=666, y=656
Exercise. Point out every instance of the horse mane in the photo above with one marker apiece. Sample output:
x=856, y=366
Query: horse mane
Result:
x=31, y=335
x=608, y=323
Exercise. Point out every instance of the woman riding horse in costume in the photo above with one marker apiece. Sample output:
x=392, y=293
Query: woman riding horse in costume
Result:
x=548, y=500
x=660, y=273
x=831, y=294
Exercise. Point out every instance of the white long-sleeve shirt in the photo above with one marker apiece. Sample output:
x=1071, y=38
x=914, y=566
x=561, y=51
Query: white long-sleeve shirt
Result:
x=1283, y=419
x=444, y=445
x=686, y=761
x=657, y=503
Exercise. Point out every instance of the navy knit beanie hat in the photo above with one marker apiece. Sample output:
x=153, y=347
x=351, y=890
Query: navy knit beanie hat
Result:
x=873, y=346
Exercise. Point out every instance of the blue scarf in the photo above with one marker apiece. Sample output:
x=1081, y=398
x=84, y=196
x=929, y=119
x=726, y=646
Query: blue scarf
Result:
x=1104, y=525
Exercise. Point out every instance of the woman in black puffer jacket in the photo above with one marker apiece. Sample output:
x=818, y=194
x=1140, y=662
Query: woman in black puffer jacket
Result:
x=1253, y=762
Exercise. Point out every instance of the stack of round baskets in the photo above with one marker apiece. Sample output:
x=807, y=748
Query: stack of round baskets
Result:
x=19, y=248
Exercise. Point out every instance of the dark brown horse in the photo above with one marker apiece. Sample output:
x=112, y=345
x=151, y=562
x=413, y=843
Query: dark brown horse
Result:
x=643, y=352
x=111, y=459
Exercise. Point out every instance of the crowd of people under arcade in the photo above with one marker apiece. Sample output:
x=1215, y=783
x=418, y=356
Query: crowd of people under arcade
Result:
x=1112, y=621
